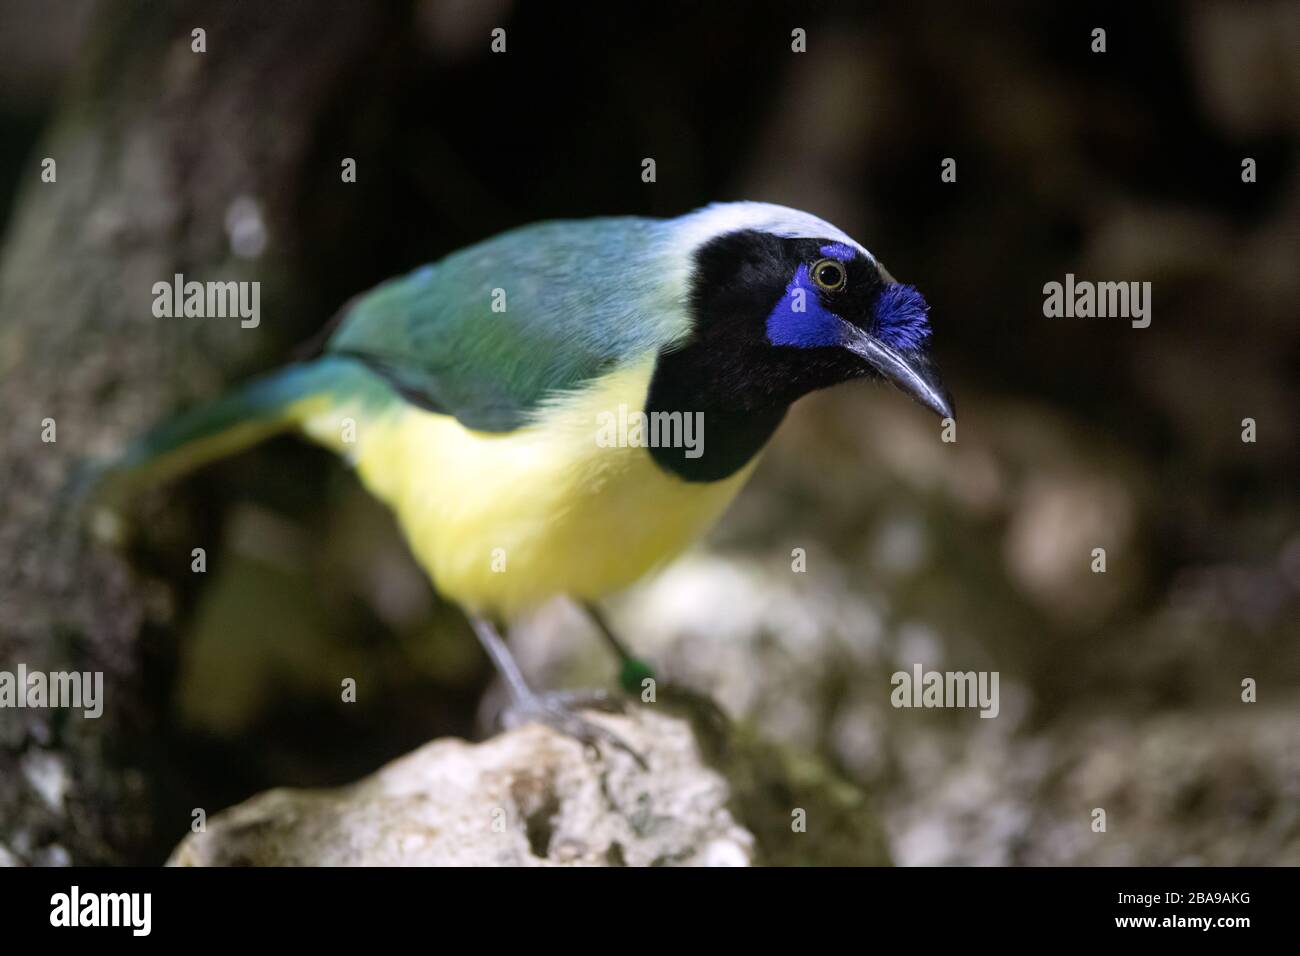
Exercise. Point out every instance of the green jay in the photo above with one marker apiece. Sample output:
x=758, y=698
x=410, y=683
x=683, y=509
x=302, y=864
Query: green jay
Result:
x=470, y=396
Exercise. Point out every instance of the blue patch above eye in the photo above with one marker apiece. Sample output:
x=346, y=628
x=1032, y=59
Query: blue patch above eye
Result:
x=902, y=317
x=800, y=319
x=838, y=250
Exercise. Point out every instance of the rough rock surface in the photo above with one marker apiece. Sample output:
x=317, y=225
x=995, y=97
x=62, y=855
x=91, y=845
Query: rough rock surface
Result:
x=533, y=797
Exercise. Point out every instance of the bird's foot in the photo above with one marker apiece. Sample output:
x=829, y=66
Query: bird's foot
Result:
x=559, y=711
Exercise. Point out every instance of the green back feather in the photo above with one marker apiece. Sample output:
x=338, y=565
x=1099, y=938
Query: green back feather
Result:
x=580, y=298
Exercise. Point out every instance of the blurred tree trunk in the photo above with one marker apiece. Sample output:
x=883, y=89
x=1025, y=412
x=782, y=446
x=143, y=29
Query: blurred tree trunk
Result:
x=155, y=145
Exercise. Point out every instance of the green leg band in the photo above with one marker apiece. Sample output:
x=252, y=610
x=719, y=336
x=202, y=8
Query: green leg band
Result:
x=633, y=674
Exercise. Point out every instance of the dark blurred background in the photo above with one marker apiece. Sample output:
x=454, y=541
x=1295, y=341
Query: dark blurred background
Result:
x=1120, y=690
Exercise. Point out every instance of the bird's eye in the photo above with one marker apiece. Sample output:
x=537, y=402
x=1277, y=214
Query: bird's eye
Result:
x=829, y=274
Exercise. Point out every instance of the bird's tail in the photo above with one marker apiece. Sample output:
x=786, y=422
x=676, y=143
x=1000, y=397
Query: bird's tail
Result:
x=260, y=409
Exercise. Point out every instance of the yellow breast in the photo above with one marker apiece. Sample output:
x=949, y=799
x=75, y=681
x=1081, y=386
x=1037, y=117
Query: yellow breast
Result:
x=503, y=522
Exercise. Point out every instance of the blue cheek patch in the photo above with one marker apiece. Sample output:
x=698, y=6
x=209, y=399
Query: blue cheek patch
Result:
x=902, y=317
x=800, y=319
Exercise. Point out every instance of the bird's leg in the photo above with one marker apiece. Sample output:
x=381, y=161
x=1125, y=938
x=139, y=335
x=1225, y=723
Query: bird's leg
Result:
x=700, y=709
x=632, y=670
x=555, y=709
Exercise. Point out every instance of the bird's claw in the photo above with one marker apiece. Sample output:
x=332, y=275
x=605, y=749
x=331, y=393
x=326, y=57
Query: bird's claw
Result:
x=559, y=711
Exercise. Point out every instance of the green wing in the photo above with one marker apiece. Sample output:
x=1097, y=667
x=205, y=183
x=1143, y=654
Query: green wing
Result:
x=573, y=300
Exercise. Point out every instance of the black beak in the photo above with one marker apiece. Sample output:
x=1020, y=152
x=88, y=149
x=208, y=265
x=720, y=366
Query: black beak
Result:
x=909, y=371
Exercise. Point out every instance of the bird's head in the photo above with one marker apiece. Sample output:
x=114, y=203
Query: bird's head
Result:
x=783, y=303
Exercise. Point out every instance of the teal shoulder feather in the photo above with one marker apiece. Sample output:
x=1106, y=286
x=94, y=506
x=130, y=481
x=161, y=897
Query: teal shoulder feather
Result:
x=492, y=331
